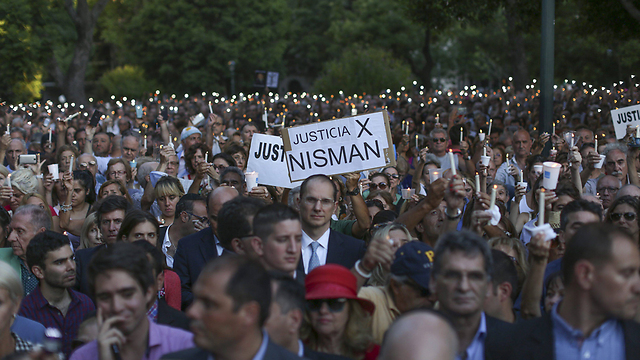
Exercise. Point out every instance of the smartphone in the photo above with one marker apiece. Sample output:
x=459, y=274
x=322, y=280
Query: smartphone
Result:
x=95, y=118
x=26, y=159
x=139, y=112
x=198, y=119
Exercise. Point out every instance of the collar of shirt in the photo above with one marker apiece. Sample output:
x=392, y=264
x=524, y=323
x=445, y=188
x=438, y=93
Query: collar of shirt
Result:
x=475, y=350
x=152, y=314
x=300, y=348
x=40, y=301
x=391, y=305
x=323, y=240
x=166, y=243
x=219, y=247
x=261, y=351
x=321, y=251
x=565, y=332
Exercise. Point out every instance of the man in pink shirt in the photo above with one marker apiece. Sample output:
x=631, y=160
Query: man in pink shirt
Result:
x=121, y=280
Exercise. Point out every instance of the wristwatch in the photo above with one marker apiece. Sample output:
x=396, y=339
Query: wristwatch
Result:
x=355, y=192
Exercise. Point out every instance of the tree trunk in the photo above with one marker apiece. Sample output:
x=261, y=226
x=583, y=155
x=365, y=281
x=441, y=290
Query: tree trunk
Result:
x=424, y=72
x=517, y=54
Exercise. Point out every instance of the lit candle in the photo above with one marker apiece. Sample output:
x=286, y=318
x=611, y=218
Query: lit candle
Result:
x=478, y=182
x=453, y=163
x=521, y=178
x=416, y=140
x=484, y=151
x=49, y=135
x=206, y=157
x=210, y=109
x=423, y=126
x=71, y=164
x=493, y=196
x=9, y=180
x=490, y=124
x=637, y=131
x=402, y=125
x=461, y=134
x=438, y=119
x=554, y=128
x=541, y=208
x=572, y=139
x=406, y=129
x=265, y=118
x=145, y=141
x=596, y=143
x=8, y=129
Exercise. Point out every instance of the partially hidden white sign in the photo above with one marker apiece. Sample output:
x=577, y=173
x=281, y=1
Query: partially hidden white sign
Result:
x=267, y=158
x=339, y=146
x=624, y=117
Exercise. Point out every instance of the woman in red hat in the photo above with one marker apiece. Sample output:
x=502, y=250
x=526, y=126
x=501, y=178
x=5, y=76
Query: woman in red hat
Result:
x=337, y=320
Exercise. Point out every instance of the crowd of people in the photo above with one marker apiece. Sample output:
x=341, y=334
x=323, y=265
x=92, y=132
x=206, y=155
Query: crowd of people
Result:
x=128, y=231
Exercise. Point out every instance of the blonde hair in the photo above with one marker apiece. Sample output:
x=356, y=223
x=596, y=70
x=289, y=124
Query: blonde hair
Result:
x=357, y=337
x=168, y=185
x=25, y=181
x=121, y=187
x=380, y=276
x=89, y=222
x=10, y=281
x=4, y=171
x=26, y=198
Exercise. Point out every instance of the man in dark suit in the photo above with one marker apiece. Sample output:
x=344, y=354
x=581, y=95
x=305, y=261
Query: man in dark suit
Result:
x=190, y=208
x=110, y=213
x=232, y=328
x=286, y=316
x=195, y=250
x=595, y=318
x=460, y=279
x=321, y=245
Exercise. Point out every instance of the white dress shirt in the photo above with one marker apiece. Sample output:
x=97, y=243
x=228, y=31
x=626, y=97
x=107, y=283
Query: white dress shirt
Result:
x=166, y=243
x=321, y=251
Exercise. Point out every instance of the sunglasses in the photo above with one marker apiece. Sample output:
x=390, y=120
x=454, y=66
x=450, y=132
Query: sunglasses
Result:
x=381, y=186
x=437, y=140
x=84, y=164
x=556, y=242
x=394, y=176
x=334, y=305
x=630, y=216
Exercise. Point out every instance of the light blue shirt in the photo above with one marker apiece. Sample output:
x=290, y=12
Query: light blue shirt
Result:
x=502, y=174
x=475, y=350
x=261, y=351
x=605, y=343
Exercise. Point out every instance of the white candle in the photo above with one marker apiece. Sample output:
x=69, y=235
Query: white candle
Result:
x=572, y=139
x=477, y=182
x=423, y=126
x=406, y=129
x=437, y=118
x=416, y=140
x=8, y=129
x=554, y=128
x=402, y=125
x=9, y=180
x=541, y=208
x=490, y=124
x=637, y=131
x=493, y=196
x=49, y=135
x=265, y=118
x=596, y=143
x=206, y=157
x=145, y=141
x=71, y=164
x=210, y=109
x=461, y=135
x=484, y=151
x=453, y=164
x=521, y=178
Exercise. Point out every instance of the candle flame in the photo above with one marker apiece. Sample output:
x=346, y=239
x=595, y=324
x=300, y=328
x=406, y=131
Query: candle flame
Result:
x=495, y=187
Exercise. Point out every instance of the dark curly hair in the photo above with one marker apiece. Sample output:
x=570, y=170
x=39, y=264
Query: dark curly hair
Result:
x=191, y=153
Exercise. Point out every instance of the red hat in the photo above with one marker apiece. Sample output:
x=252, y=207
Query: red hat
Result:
x=334, y=281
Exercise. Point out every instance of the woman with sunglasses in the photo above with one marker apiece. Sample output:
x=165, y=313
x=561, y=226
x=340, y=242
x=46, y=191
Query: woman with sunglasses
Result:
x=623, y=213
x=337, y=321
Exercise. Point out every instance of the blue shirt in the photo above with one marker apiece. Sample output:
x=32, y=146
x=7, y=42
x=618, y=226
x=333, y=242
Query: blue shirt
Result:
x=604, y=343
x=261, y=351
x=475, y=350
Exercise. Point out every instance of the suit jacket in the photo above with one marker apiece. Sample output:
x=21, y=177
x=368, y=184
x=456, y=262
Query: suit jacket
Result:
x=83, y=257
x=7, y=256
x=343, y=250
x=533, y=340
x=274, y=352
x=496, y=331
x=193, y=253
x=314, y=355
x=171, y=317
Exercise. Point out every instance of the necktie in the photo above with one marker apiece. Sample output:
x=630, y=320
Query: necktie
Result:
x=313, y=261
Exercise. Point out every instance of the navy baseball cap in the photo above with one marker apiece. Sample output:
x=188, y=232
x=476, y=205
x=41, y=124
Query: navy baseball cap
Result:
x=414, y=259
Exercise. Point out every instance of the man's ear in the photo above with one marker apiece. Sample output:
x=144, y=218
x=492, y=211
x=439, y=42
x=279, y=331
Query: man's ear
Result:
x=238, y=248
x=583, y=274
x=504, y=291
x=294, y=320
x=42, y=229
x=419, y=228
x=250, y=313
x=38, y=272
x=256, y=244
x=184, y=217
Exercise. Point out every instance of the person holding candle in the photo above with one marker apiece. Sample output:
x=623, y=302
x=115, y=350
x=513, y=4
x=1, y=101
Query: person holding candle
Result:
x=615, y=162
x=193, y=156
x=80, y=195
x=438, y=141
x=15, y=148
x=521, y=143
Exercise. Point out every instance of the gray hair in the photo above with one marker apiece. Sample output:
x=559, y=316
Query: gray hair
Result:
x=438, y=131
x=232, y=169
x=10, y=281
x=432, y=159
x=130, y=134
x=292, y=197
x=144, y=170
x=465, y=241
x=39, y=217
x=615, y=146
x=25, y=181
x=24, y=144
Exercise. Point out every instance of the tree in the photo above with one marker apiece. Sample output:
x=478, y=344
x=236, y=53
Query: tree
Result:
x=84, y=18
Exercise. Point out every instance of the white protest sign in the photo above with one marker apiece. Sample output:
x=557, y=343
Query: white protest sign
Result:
x=339, y=146
x=624, y=117
x=267, y=158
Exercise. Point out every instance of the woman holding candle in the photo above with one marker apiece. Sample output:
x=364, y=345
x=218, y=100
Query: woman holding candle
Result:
x=80, y=195
x=192, y=157
x=64, y=156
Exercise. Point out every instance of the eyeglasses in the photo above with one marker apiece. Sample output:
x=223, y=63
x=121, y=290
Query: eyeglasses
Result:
x=334, y=305
x=114, y=173
x=437, y=140
x=630, y=216
x=608, y=189
x=311, y=201
x=394, y=176
x=203, y=219
x=84, y=164
x=217, y=124
x=381, y=186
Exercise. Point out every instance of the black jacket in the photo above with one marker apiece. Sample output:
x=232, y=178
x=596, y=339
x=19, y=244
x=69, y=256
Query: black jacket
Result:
x=274, y=352
x=343, y=250
x=172, y=317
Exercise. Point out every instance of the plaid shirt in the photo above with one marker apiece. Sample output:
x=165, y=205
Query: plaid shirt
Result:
x=29, y=281
x=21, y=345
x=36, y=307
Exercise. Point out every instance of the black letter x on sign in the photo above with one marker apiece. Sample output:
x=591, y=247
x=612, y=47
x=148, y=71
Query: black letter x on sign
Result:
x=364, y=127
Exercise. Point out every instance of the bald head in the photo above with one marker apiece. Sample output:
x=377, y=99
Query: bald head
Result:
x=521, y=144
x=629, y=189
x=420, y=335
